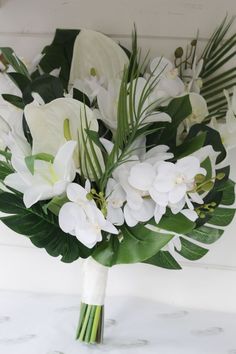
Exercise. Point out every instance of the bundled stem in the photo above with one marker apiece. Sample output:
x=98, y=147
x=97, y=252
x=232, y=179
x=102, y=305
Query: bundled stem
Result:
x=91, y=323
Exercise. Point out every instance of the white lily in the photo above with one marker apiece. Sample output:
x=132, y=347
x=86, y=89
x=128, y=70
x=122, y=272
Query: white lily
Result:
x=81, y=217
x=97, y=54
x=46, y=124
x=169, y=84
x=49, y=179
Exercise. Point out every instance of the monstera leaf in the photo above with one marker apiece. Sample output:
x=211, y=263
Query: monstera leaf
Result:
x=41, y=228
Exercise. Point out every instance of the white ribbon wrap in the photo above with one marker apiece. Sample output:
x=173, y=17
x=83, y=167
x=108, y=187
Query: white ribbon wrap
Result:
x=94, y=282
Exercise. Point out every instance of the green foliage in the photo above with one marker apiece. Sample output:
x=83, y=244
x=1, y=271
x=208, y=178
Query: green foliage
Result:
x=216, y=55
x=5, y=170
x=47, y=86
x=42, y=229
x=205, y=234
x=137, y=244
x=190, y=250
x=59, y=54
x=11, y=58
x=163, y=259
x=14, y=100
x=178, y=109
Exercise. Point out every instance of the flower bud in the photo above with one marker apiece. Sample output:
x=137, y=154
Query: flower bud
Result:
x=179, y=52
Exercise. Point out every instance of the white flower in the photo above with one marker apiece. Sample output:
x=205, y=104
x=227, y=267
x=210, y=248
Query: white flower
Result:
x=115, y=199
x=90, y=86
x=169, y=84
x=81, y=217
x=192, y=78
x=199, y=112
x=177, y=179
x=173, y=185
x=227, y=127
x=108, y=103
x=136, y=177
x=98, y=54
x=46, y=124
x=48, y=180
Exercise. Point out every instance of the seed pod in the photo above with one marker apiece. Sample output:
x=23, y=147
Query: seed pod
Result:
x=179, y=52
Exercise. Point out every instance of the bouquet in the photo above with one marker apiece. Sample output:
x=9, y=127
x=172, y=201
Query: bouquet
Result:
x=115, y=157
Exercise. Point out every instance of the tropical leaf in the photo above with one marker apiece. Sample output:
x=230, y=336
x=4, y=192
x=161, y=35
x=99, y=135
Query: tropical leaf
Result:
x=59, y=55
x=137, y=244
x=12, y=59
x=163, y=259
x=216, y=57
x=42, y=229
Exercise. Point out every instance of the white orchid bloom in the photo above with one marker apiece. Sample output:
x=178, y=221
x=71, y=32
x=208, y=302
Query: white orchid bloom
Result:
x=90, y=86
x=169, y=84
x=46, y=124
x=191, y=76
x=97, y=54
x=177, y=179
x=115, y=197
x=136, y=177
x=48, y=180
x=81, y=217
x=227, y=132
x=172, y=185
x=227, y=127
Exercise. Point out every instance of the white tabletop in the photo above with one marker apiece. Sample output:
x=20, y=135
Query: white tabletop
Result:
x=45, y=324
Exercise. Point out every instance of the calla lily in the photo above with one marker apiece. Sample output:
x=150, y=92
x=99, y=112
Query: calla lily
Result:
x=97, y=55
x=46, y=124
x=81, y=217
x=49, y=179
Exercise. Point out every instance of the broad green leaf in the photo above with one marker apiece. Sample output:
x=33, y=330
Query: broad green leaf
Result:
x=178, y=109
x=190, y=250
x=48, y=87
x=5, y=170
x=14, y=100
x=163, y=259
x=177, y=223
x=212, y=138
x=137, y=245
x=59, y=54
x=20, y=80
x=228, y=197
x=205, y=234
x=222, y=216
x=190, y=146
x=42, y=229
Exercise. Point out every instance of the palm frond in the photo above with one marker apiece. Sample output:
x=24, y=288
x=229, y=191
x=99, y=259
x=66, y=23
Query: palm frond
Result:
x=216, y=57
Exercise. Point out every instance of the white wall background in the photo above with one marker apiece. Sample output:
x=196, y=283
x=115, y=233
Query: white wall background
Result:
x=27, y=26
